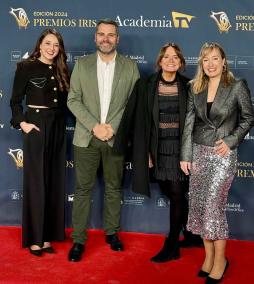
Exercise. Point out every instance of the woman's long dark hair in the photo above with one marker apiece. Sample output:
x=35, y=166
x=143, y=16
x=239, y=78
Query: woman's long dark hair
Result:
x=59, y=62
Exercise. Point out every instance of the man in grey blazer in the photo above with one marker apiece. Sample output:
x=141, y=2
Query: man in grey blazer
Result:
x=101, y=84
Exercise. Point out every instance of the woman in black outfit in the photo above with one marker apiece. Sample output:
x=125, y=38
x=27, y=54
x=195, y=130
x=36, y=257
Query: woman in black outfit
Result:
x=44, y=80
x=155, y=117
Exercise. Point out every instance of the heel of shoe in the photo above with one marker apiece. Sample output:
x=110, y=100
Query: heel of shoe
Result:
x=202, y=273
x=210, y=280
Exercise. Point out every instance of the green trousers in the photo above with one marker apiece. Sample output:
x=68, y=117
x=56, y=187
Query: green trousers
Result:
x=87, y=161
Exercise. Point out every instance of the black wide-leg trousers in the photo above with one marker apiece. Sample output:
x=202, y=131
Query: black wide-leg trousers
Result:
x=44, y=178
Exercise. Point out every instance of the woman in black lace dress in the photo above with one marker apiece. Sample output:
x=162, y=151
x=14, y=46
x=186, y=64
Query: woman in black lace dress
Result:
x=155, y=117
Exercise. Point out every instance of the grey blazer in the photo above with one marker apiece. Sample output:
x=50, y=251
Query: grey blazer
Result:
x=84, y=100
x=231, y=117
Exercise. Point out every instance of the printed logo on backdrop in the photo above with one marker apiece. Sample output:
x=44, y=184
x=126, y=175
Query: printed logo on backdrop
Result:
x=70, y=197
x=245, y=169
x=26, y=55
x=222, y=21
x=69, y=164
x=181, y=20
x=234, y=207
x=191, y=60
x=234, y=62
x=17, y=156
x=244, y=23
x=49, y=19
x=70, y=128
x=20, y=16
x=62, y=19
x=15, y=195
x=128, y=166
x=72, y=56
x=133, y=200
x=249, y=136
x=162, y=202
x=16, y=55
x=140, y=59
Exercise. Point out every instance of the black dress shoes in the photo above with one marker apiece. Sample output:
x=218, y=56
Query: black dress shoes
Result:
x=75, y=253
x=210, y=280
x=36, y=252
x=202, y=273
x=115, y=243
x=48, y=250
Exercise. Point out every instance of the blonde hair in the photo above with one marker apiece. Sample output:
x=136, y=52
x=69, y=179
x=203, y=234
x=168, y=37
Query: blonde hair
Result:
x=200, y=80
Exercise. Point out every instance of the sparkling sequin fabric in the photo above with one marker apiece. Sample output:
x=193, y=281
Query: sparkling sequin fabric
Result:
x=210, y=180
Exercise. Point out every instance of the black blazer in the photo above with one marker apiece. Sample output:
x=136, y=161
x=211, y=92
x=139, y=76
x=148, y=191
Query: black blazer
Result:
x=231, y=117
x=139, y=126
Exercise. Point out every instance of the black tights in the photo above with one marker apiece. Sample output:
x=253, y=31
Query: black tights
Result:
x=176, y=192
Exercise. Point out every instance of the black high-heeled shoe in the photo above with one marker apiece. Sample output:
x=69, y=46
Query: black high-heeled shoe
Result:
x=202, y=273
x=36, y=252
x=210, y=280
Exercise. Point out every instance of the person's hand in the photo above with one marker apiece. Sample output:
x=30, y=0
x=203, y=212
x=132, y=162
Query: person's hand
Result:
x=221, y=148
x=110, y=131
x=100, y=131
x=185, y=167
x=150, y=162
x=28, y=127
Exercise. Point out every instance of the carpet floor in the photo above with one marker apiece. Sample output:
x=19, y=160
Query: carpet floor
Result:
x=102, y=265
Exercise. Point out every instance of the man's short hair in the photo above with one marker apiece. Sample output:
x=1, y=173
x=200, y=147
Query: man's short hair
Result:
x=108, y=21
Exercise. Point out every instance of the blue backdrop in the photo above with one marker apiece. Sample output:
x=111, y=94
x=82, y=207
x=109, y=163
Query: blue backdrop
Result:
x=144, y=27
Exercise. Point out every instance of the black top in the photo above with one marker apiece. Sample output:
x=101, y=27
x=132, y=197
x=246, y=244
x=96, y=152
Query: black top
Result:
x=209, y=105
x=141, y=113
x=168, y=163
x=36, y=81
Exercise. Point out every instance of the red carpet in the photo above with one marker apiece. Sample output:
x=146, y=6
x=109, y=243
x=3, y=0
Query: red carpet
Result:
x=101, y=265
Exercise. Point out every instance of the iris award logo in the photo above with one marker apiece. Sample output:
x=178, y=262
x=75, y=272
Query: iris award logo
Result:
x=222, y=21
x=20, y=16
x=17, y=155
x=16, y=195
x=181, y=20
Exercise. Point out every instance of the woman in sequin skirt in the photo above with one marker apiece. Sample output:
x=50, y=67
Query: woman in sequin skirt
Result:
x=219, y=115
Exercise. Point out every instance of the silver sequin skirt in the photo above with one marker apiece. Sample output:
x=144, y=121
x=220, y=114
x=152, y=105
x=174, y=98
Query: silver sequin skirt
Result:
x=210, y=180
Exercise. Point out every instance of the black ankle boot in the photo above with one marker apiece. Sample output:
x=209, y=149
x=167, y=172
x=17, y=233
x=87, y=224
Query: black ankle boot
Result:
x=169, y=251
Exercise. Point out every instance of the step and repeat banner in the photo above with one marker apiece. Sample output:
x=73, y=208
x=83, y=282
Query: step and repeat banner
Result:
x=144, y=27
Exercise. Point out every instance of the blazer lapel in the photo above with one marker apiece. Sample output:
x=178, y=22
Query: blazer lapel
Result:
x=219, y=100
x=117, y=76
x=201, y=105
x=93, y=81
